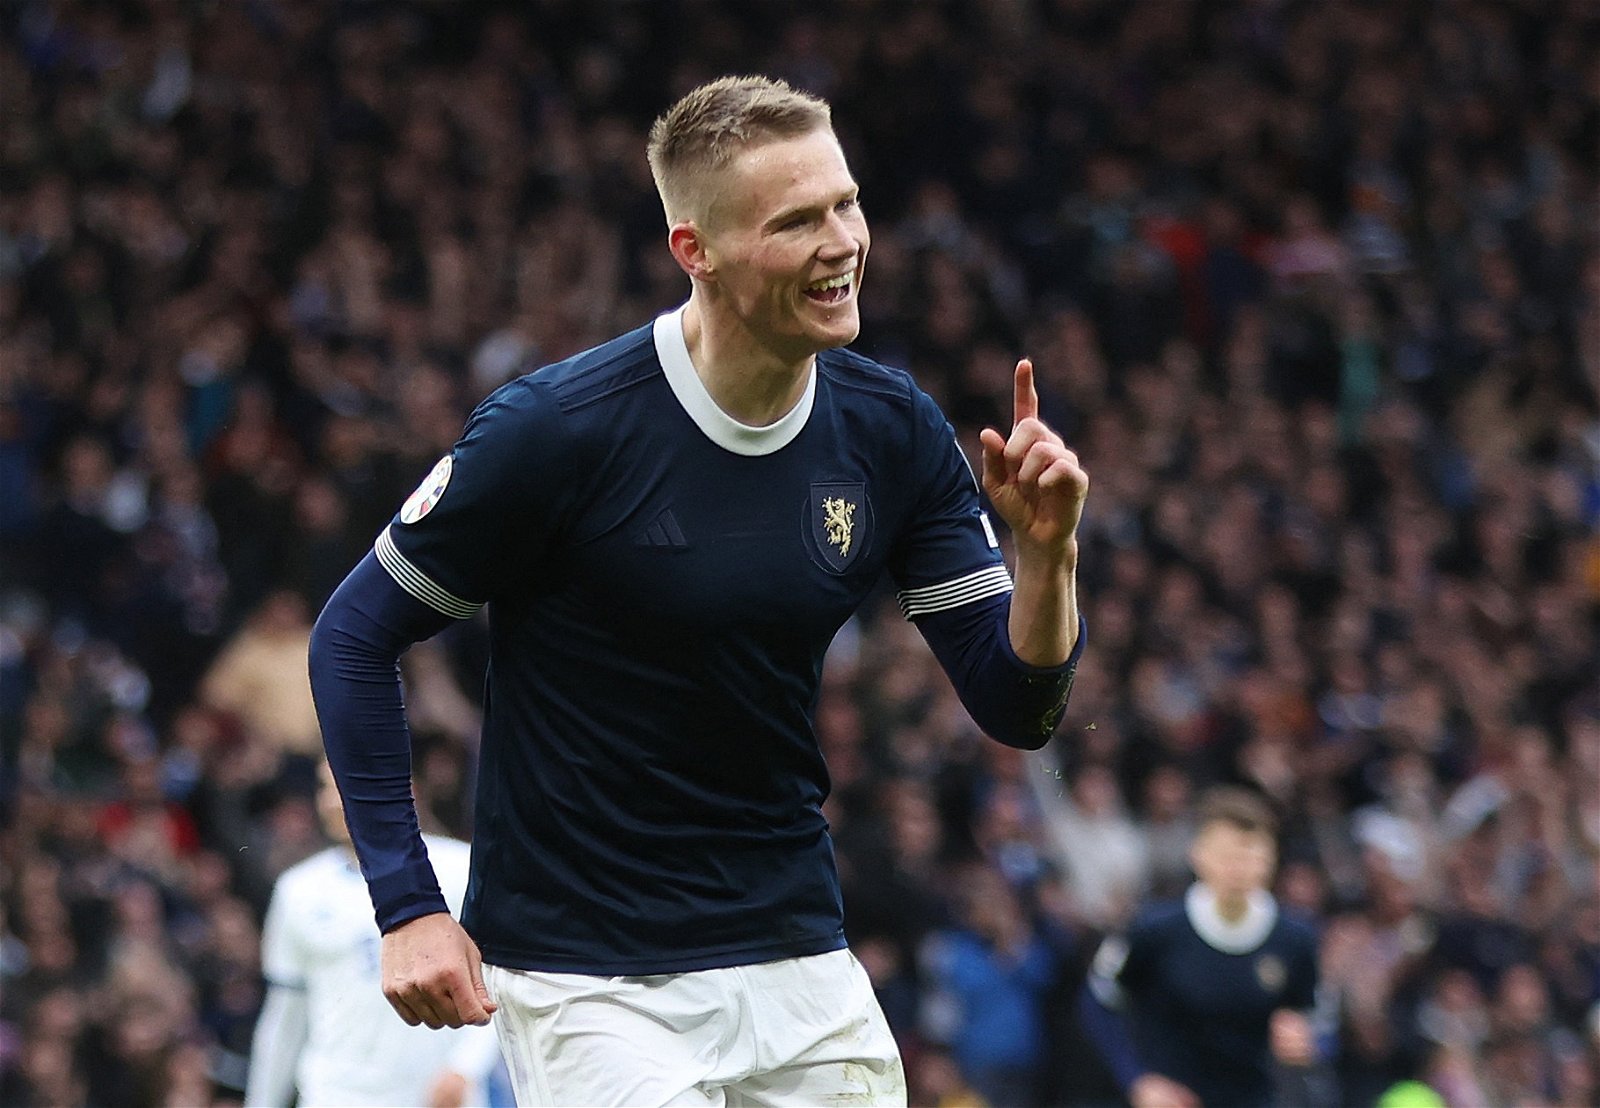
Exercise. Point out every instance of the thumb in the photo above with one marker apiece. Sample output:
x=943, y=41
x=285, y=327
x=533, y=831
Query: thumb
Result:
x=475, y=972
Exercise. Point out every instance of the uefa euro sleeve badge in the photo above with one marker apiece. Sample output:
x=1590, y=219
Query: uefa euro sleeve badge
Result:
x=421, y=502
x=838, y=524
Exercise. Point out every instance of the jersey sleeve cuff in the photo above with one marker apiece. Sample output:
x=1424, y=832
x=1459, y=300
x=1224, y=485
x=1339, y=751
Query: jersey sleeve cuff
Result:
x=419, y=584
x=402, y=897
x=944, y=595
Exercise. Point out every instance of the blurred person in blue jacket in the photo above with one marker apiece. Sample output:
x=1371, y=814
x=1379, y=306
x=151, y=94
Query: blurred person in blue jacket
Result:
x=990, y=977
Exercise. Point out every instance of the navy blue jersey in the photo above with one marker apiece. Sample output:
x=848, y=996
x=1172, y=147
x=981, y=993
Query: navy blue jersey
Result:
x=1200, y=993
x=662, y=585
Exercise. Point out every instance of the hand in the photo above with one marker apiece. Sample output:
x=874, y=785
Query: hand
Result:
x=1291, y=1038
x=433, y=973
x=1034, y=482
x=1154, y=1091
x=449, y=1090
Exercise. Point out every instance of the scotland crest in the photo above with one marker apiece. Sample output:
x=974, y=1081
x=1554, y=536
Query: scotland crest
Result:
x=838, y=523
x=1271, y=972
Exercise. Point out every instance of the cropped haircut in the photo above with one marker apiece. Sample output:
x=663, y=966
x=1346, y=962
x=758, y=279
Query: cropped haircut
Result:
x=1241, y=808
x=703, y=131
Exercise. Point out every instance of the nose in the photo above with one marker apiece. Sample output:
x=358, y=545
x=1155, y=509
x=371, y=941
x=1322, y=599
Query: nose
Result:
x=842, y=239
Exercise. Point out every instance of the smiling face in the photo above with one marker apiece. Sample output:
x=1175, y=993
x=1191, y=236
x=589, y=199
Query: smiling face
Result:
x=784, y=242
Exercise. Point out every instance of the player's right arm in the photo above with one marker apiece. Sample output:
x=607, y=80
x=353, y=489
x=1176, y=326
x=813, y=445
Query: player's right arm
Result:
x=282, y=1027
x=1119, y=969
x=430, y=967
x=445, y=554
x=279, y=1037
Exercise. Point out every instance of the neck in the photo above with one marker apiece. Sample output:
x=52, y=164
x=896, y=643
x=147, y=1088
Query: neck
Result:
x=749, y=380
x=1232, y=907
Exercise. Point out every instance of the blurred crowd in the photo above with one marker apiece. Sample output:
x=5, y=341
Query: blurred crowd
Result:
x=1312, y=285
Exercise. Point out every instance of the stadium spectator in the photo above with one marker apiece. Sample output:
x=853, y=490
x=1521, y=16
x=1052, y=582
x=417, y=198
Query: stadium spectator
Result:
x=326, y=1034
x=987, y=981
x=259, y=677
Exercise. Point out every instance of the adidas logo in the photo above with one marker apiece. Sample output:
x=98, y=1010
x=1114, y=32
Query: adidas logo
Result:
x=663, y=531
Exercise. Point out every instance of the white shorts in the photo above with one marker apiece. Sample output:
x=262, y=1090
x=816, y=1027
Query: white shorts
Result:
x=798, y=1031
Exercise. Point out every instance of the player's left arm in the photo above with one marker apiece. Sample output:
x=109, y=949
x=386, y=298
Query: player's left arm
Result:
x=1299, y=1035
x=1293, y=1031
x=1010, y=650
x=1038, y=487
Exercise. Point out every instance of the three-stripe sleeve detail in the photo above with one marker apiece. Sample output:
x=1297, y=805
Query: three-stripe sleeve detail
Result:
x=979, y=585
x=419, y=584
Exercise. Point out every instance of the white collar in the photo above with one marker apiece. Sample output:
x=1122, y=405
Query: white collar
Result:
x=718, y=425
x=1200, y=905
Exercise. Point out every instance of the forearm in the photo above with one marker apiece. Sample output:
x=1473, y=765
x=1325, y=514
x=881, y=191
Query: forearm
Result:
x=1014, y=702
x=355, y=681
x=280, y=1035
x=1043, y=623
x=1108, y=1030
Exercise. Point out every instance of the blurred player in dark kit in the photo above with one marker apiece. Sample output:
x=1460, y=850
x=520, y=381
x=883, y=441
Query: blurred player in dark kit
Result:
x=1206, y=1000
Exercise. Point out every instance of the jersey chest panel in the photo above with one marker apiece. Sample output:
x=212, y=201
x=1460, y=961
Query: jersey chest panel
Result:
x=688, y=539
x=1222, y=986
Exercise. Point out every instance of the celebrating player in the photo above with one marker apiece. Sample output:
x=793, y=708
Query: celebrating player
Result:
x=668, y=530
x=324, y=1030
x=1218, y=987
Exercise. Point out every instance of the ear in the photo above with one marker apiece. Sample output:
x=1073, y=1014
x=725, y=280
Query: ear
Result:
x=690, y=250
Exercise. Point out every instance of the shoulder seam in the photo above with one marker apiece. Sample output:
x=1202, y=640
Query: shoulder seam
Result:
x=572, y=394
x=848, y=370
x=585, y=399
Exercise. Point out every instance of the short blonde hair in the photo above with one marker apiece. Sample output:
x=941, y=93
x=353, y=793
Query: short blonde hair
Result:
x=705, y=129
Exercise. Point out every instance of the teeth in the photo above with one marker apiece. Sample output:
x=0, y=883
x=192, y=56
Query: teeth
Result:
x=838, y=282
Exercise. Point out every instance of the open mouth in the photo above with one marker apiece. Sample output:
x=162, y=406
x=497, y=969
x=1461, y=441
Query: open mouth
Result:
x=831, y=290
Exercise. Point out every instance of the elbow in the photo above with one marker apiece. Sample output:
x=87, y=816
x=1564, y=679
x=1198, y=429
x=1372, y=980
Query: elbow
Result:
x=1024, y=726
x=317, y=649
x=321, y=654
x=1020, y=739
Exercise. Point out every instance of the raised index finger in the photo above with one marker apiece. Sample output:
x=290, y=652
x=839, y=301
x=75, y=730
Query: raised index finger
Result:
x=1025, y=405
